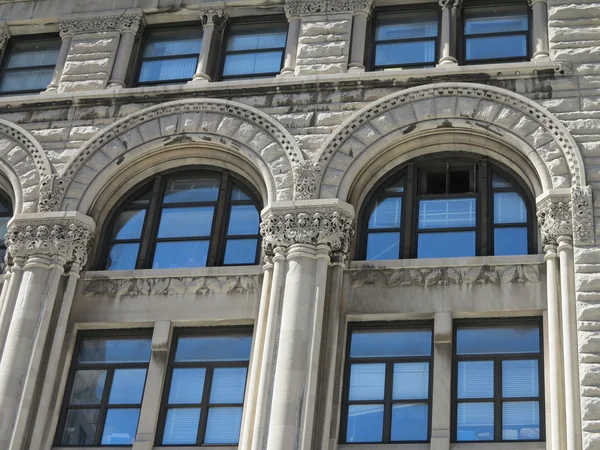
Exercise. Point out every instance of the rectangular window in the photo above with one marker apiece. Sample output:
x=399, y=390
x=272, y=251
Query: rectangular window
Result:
x=406, y=39
x=496, y=33
x=498, y=374
x=170, y=55
x=254, y=50
x=28, y=65
x=387, y=396
x=203, y=400
x=104, y=392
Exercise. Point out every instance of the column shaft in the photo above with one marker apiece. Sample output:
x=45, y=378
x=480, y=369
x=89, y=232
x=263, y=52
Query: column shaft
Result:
x=202, y=67
x=10, y=299
x=357, y=45
x=448, y=34
x=117, y=79
x=442, y=383
x=291, y=46
x=60, y=63
x=540, y=30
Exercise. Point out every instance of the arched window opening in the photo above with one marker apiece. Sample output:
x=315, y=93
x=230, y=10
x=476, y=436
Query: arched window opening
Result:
x=185, y=219
x=447, y=206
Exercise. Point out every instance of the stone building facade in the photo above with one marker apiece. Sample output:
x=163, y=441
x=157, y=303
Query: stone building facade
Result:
x=313, y=143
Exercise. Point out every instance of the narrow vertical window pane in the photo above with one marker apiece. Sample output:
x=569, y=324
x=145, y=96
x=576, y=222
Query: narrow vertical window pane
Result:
x=120, y=426
x=521, y=421
x=511, y=241
x=475, y=422
x=381, y=246
x=128, y=224
x=122, y=257
x=223, y=426
x=365, y=423
x=88, y=387
x=80, y=427
x=410, y=422
x=187, y=385
x=243, y=220
x=411, y=381
x=228, y=385
x=181, y=426
x=475, y=379
x=367, y=382
x=520, y=378
x=127, y=386
x=509, y=207
x=387, y=213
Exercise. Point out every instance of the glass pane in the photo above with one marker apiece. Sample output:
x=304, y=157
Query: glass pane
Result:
x=400, y=53
x=122, y=257
x=475, y=379
x=409, y=422
x=240, y=251
x=223, y=426
x=187, y=385
x=496, y=19
x=167, y=43
x=521, y=421
x=406, y=26
x=475, y=422
x=447, y=213
x=243, y=220
x=397, y=187
x=510, y=241
x=128, y=224
x=213, y=348
x=386, y=213
x=80, y=427
x=496, y=47
x=114, y=351
x=367, y=382
x=3, y=227
x=88, y=387
x=270, y=36
x=383, y=246
x=228, y=385
x=33, y=53
x=169, y=69
x=120, y=426
x=451, y=244
x=252, y=63
x=127, y=386
x=365, y=423
x=377, y=344
x=192, y=190
x=520, y=378
x=238, y=194
x=186, y=222
x=180, y=254
x=26, y=80
x=499, y=182
x=509, y=207
x=490, y=340
x=181, y=426
x=411, y=381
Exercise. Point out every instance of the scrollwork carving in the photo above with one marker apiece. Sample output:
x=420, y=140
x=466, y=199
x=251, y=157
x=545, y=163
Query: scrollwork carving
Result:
x=127, y=22
x=213, y=15
x=583, y=215
x=555, y=219
x=307, y=175
x=52, y=189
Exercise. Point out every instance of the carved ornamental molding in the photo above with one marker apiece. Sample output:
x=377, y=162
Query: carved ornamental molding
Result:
x=128, y=22
x=213, y=15
x=307, y=175
x=299, y=7
x=4, y=35
x=289, y=223
x=456, y=4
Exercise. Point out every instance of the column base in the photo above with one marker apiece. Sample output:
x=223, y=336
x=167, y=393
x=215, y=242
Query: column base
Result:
x=115, y=84
x=199, y=78
x=448, y=61
x=356, y=67
x=51, y=89
x=541, y=55
x=286, y=72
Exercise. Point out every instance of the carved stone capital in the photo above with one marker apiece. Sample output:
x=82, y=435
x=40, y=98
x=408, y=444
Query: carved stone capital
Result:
x=127, y=22
x=307, y=175
x=555, y=218
x=63, y=237
x=310, y=222
x=52, y=189
x=457, y=4
x=583, y=215
x=296, y=8
x=4, y=35
x=213, y=15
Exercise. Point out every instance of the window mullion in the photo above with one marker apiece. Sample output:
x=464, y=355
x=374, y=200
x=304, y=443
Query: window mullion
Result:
x=498, y=398
x=218, y=232
x=147, y=241
x=387, y=399
x=110, y=372
x=410, y=213
x=204, y=405
x=483, y=195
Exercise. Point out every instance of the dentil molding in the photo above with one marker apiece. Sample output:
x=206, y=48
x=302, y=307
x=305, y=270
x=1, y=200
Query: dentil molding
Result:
x=128, y=21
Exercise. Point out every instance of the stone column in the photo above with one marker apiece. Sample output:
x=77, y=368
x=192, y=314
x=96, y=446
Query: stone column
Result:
x=539, y=33
x=65, y=46
x=292, y=12
x=309, y=230
x=442, y=385
x=449, y=31
x=213, y=19
x=130, y=30
x=360, y=21
x=10, y=297
x=46, y=242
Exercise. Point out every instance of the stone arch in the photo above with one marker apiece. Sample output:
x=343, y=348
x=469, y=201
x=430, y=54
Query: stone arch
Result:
x=520, y=123
x=24, y=163
x=238, y=128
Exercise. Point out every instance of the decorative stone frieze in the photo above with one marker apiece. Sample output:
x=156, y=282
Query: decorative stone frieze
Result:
x=306, y=180
x=583, y=215
x=216, y=15
x=308, y=222
x=129, y=21
x=4, y=35
x=65, y=236
x=555, y=218
x=295, y=8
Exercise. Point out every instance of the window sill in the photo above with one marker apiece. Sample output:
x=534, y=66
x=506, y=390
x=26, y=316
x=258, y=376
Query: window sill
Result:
x=169, y=273
x=474, y=261
x=185, y=447
x=454, y=446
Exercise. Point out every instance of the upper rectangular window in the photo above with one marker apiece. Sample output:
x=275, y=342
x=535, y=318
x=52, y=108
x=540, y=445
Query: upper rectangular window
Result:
x=496, y=33
x=104, y=392
x=406, y=39
x=387, y=395
x=498, y=374
x=28, y=65
x=170, y=55
x=254, y=50
x=204, y=395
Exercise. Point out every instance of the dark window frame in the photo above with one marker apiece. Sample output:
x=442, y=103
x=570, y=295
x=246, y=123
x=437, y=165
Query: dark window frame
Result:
x=156, y=186
x=388, y=402
x=210, y=366
x=134, y=333
x=391, y=10
x=7, y=51
x=174, y=28
x=462, y=36
x=498, y=399
x=409, y=218
x=259, y=22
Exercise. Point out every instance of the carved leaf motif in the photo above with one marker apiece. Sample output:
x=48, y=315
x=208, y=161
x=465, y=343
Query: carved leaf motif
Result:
x=100, y=288
x=472, y=275
x=416, y=277
x=124, y=287
x=142, y=287
x=160, y=286
x=248, y=284
x=492, y=275
x=433, y=277
x=396, y=278
x=531, y=273
x=369, y=278
x=453, y=275
x=192, y=285
x=221, y=284
x=508, y=274
x=177, y=286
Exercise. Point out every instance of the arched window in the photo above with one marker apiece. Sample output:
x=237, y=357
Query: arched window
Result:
x=5, y=215
x=447, y=206
x=185, y=219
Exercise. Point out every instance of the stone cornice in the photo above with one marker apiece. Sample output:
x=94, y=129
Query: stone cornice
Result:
x=125, y=22
x=63, y=237
x=312, y=222
x=4, y=35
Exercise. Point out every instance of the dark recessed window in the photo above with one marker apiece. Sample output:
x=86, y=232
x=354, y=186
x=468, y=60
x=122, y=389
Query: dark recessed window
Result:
x=5, y=215
x=387, y=395
x=440, y=208
x=406, y=39
x=28, y=65
x=498, y=375
x=191, y=219
x=104, y=392
x=204, y=397
x=254, y=50
x=496, y=33
x=170, y=55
